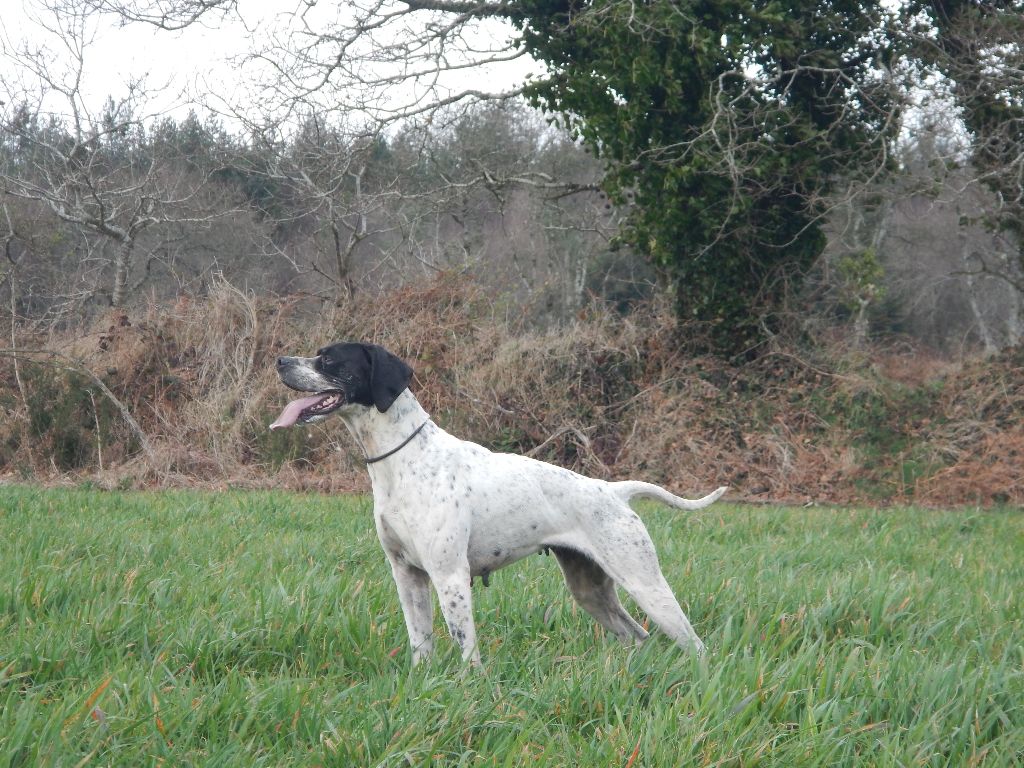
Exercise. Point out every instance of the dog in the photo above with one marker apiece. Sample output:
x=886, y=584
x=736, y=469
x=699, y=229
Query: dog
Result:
x=447, y=510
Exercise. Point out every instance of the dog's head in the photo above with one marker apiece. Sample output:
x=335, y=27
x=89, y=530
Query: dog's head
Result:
x=344, y=374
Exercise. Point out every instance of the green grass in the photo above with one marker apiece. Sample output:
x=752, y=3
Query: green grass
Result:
x=251, y=629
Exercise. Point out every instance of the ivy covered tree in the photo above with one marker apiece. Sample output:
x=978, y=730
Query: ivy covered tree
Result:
x=728, y=124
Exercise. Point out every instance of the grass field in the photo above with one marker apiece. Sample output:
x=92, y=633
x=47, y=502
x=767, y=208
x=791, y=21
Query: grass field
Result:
x=249, y=629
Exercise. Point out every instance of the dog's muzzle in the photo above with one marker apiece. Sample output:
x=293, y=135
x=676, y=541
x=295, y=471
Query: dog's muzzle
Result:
x=308, y=409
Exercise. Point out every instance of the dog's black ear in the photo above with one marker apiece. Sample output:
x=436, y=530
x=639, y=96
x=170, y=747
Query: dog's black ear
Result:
x=389, y=377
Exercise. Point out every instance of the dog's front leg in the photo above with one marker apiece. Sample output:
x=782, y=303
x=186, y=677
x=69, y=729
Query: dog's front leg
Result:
x=455, y=596
x=417, y=607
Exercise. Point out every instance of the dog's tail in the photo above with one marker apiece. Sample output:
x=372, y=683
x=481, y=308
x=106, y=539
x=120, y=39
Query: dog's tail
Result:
x=632, y=489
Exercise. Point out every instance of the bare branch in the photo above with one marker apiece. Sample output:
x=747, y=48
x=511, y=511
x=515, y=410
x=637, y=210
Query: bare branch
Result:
x=171, y=15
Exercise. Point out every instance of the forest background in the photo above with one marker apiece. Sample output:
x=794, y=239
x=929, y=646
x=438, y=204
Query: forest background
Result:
x=736, y=243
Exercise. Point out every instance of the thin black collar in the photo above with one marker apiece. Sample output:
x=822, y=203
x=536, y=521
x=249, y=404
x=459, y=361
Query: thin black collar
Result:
x=400, y=446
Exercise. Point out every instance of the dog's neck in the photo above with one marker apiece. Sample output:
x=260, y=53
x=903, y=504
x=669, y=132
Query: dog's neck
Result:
x=376, y=432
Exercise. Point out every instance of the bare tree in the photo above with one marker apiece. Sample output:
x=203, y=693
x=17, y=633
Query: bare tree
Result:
x=975, y=52
x=475, y=192
x=382, y=60
x=90, y=168
x=914, y=254
x=335, y=81
x=336, y=187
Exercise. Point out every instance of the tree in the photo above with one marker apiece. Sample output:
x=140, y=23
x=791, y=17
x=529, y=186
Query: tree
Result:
x=93, y=170
x=731, y=123
x=483, y=195
x=976, y=47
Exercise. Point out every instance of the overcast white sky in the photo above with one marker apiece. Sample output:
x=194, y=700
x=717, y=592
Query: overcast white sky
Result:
x=179, y=66
x=171, y=61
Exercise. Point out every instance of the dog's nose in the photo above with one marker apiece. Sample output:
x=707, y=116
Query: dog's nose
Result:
x=282, y=362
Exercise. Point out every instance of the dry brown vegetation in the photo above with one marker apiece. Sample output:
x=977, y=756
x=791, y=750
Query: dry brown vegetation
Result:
x=609, y=395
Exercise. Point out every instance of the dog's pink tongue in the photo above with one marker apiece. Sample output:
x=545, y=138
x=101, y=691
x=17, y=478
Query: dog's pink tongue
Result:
x=291, y=412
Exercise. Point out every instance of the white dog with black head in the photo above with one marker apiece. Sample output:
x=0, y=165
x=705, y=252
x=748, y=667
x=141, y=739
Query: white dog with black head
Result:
x=448, y=510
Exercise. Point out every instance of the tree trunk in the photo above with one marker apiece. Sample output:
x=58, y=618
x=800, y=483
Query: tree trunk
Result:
x=991, y=347
x=1015, y=319
x=122, y=263
x=860, y=323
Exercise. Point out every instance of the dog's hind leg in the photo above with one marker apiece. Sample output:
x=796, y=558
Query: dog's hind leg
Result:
x=626, y=553
x=643, y=580
x=655, y=597
x=594, y=590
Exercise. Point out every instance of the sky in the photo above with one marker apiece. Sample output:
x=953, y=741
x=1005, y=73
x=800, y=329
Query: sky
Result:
x=179, y=67
x=173, y=63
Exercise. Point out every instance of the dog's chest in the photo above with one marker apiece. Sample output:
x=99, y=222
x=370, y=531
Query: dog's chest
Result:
x=397, y=536
x=415, y=534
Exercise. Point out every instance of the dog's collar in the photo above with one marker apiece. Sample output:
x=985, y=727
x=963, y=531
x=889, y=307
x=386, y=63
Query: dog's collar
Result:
x=400, y=446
